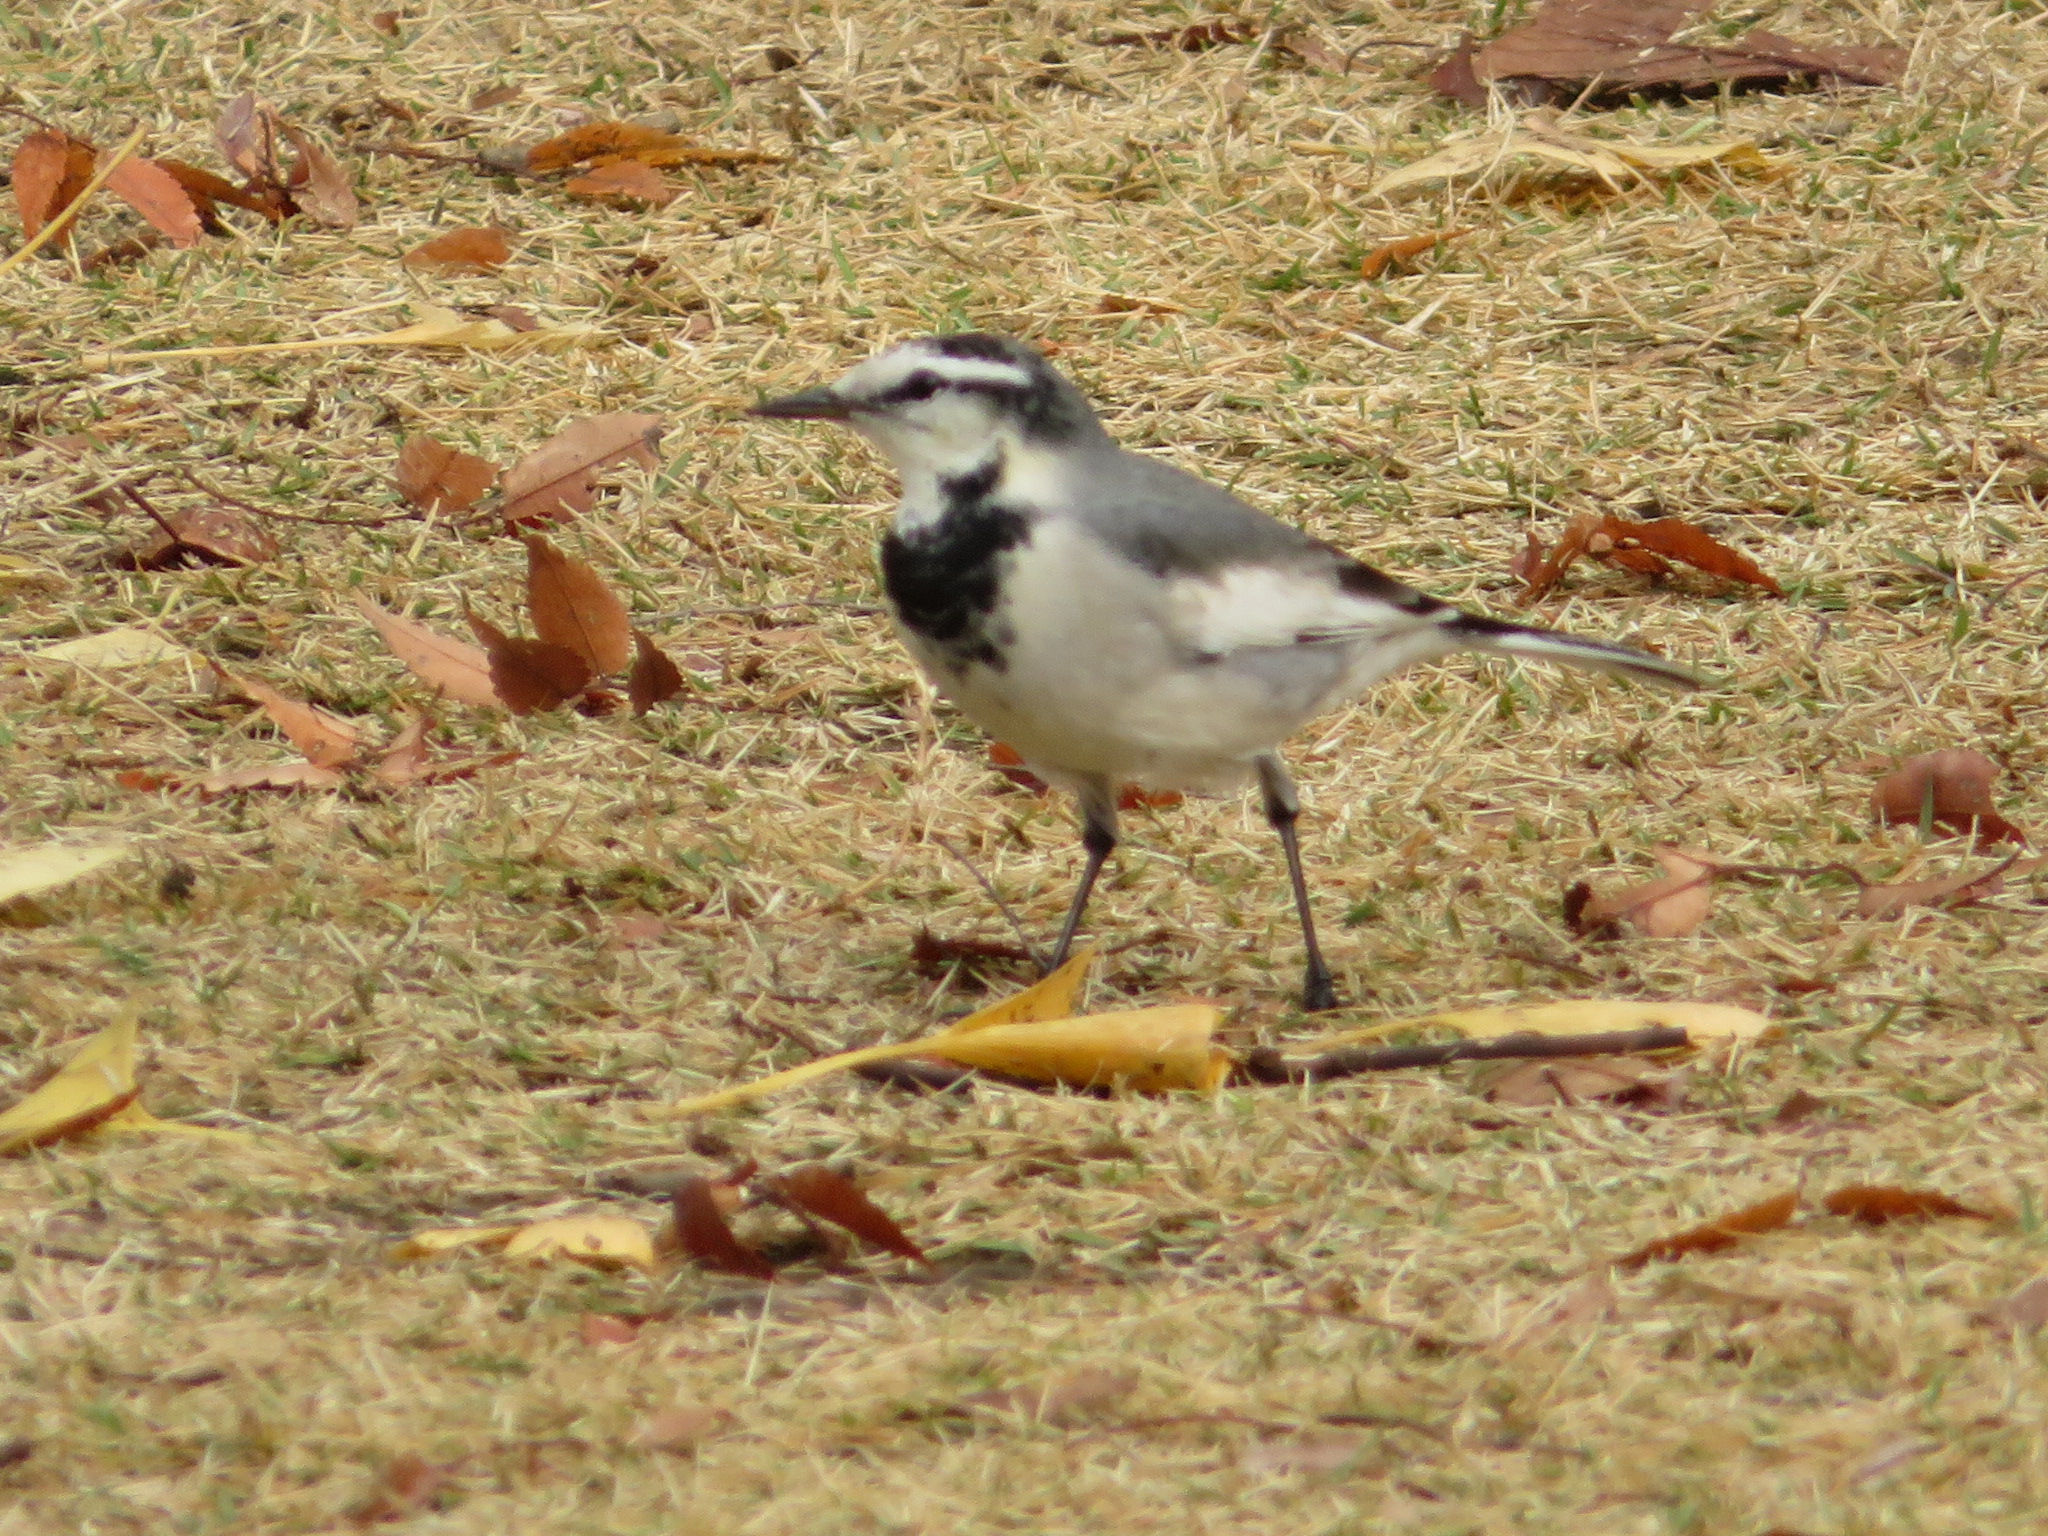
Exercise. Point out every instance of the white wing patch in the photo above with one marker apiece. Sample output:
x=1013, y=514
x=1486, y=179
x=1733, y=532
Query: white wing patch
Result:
x=1246, y=607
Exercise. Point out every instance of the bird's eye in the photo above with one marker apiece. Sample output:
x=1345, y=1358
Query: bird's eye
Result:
x=921, y=385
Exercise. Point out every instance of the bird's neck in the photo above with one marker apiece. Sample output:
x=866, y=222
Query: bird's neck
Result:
x=938, y=487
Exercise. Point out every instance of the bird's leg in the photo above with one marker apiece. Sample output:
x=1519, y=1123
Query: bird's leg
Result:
x=1098, y=837
x=1283, y=809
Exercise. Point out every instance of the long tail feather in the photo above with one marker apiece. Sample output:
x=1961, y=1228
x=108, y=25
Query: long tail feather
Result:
x=1504, y=639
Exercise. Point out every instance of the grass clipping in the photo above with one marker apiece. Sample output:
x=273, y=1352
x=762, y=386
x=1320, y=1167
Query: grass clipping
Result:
x=1035, y=1036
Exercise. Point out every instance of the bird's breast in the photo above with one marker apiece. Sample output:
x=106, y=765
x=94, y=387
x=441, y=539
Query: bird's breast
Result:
x=944, y=579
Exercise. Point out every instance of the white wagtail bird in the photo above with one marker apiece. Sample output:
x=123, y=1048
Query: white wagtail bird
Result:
x=1116, y=620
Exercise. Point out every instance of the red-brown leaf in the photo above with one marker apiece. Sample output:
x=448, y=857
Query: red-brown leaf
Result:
x=530, y=676
x=1876, y=1204
x=271, y=776
x=1668, y=908
x=1949, y=891
x=1681, y=541
x=559, y=479
x=572, y=607
x=591, y=140
x=206, y=189
x=1711, y=1237
x=631, y=182
x=470, y=249
x=50, y=170
x=1571, y=544
x=453, y=668
x=654, y=679
x=835, y=1198
x=326, y=740
x=158, y=196
x=437, y=478
x=1953, y=788
x=320, y=186
x=702, y=1234
x=247, y=131
x=1399, y=253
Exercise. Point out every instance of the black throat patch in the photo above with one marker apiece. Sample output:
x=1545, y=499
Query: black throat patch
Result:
x=945, y=579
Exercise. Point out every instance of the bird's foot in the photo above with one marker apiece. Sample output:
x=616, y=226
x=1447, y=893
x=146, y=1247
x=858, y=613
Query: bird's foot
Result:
x=1318, y=990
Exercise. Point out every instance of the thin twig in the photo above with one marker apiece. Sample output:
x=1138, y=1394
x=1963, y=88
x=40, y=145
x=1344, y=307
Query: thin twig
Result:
x=1002, y=906
x=1269, y=1066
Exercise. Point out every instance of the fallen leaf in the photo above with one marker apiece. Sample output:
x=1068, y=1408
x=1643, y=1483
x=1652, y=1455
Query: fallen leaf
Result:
x=703, y=1234
x=1681, y=541
x=495, y=96
x=206, y=190
x=572, y=607
x=1799, y=1107
x=271, y=776
x=326, y=740
x=437, y=478
x=436, y=327
x=631, y=182
x=1876, y=1204
x=1577, y=1016
x=407, y=1486
x=216, y=535
x=655, y=679
x=589, y=141
x=158, y=196
x=1326, y=1450
x=126, y=647
x=676, y=1430
x=25, y=871
x=50, y=170
x=95, y=1089
x=530, y=676
x=2023, y=1313
x=1951, y=789
x=1566, y=1314
x=1398, y=253
x=1603, y=51
x=435, y=1242
x=1713, y=1236
x=1668, y=908
x=558, y=480
x=246, y=131
x=1061, y=1400
x=409, y=760
x=835, y=1198
x=452, y=668
x=1614, y=161
x=603, y=1242
x=1948, y=891
x=606, y=1328
x=1580, y=1080
x=469, y=249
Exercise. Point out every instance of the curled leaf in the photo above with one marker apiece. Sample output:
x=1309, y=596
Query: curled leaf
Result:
x=1713, y=1236
x=603, y=1242
x=558, y=480
x=835, y=1198
x=655, y=679
x=1949, y=789
x=326, y=740
x=530, y=676
x=437, y=478
x=1877, y=1204
x=453, y=668
x=97, y=1083
x=704, y=1235
x=1668, y=908
x=469, y=249
x=572, y=607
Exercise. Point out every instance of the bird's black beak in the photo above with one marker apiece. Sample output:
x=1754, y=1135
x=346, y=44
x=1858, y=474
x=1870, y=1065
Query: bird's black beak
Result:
x=820, y=404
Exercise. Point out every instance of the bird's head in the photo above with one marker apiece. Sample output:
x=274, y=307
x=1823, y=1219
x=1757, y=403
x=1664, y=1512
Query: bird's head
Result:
x=943, y=402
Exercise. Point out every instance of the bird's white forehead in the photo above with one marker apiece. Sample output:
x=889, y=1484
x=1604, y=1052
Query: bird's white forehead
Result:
x=882, y=373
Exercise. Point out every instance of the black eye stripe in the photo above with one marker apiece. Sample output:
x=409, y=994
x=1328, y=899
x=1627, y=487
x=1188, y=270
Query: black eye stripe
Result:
x=921, y=385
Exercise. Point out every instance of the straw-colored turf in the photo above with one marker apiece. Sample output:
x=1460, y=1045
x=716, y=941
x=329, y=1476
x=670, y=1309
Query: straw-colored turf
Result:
x=426, y=1007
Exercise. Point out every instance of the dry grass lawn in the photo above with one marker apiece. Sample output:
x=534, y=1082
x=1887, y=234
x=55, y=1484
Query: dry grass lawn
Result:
x=447, y=1005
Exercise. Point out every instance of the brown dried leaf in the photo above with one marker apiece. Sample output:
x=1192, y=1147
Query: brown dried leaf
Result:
x=326, y=740
x=472, y=248
x=1668, y=908
x=247, y=131
x=495, y=96
x=1948, y=891
x=1952, y=789
x=159, y=197
x=50, y=170
x=454, y=669
x=1621, y=46
x=1579, y=1080
x=2024, y=1312
x=1455, y=75
x=572, y=607
x=589, y=141
x=1876, y=1204
x=654, y=679
x=530, y=676
x=1399, y=253
x=1571, y=544
x=835, y=1198
x=676, y=1430
x=437, y=478
x=558, y=480
x=206, y=189
x=217, y=535
x=702, y=1233
x=322, y=188
x=1061, y=1399
x=271, y=776
x=1681, y=541
x=409, y=1483
x=630, y=182
x=1713, y=1236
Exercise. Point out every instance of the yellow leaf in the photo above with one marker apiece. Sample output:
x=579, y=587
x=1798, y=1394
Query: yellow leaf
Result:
x=1581, y=1016
x=127, y=647
x=609, y=1242
x=1051, y=998
x=95, y=1084
x=132, y=1117
x=439, y=1240
x=17, y=572
x=25, y=871
x=1149, y=1050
